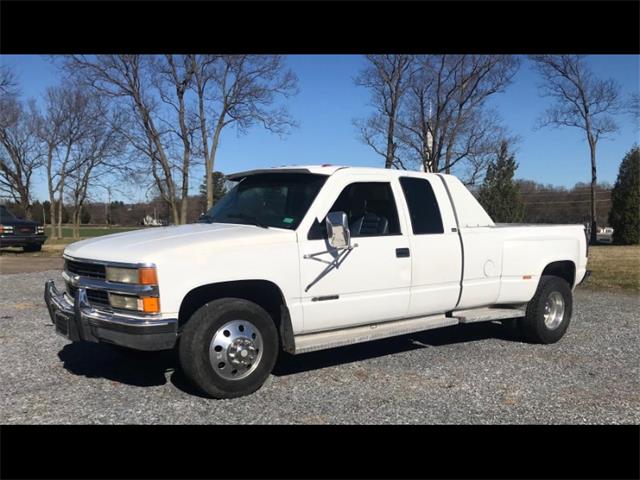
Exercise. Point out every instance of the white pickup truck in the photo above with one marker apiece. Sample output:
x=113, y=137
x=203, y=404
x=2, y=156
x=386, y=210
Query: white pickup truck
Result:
x=308, y=258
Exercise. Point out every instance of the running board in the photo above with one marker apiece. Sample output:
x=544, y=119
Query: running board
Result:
x=347, y=336
x=487, y=314
x=337, y=338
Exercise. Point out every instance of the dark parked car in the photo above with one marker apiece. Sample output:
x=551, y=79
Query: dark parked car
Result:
x=17, y=232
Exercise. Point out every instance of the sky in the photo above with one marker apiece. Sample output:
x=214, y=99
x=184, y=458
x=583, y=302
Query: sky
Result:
x=329, y=101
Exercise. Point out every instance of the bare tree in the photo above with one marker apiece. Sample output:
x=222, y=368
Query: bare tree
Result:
x=179, y=101
x=634, y=106
x=20, y=152
x=581, y=101
x=239, y=90
x=8, y=82
x=69, y=116
x=96, y=156
x=173, y=79
x=387, y=77
x=446, y=120
x=129, y=78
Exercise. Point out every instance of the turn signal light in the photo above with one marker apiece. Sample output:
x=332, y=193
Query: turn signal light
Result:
x=150, y=304
x=147, y=276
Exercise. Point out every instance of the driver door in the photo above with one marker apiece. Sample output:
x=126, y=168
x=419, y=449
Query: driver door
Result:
x=367, y=283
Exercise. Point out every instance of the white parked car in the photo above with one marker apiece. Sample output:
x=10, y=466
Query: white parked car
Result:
x=308, y=258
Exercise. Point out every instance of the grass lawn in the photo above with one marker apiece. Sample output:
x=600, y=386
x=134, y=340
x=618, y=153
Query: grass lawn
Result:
x=85, y=232
x=614, y=267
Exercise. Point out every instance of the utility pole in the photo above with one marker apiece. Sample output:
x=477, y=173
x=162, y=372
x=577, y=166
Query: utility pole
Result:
x=107, y=206
x=429, y=139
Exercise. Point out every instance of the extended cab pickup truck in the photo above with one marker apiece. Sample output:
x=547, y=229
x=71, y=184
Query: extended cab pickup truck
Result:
x=308, y=258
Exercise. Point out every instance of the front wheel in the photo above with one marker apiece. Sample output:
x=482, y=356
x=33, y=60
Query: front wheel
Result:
x=549, y=311
x=228, y=347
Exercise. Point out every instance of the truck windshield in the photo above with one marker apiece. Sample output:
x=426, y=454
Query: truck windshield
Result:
x=5, y=213
x=268, y=200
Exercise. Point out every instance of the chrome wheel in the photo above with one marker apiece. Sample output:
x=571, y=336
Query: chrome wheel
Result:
x=553, y=310
x=235, y=350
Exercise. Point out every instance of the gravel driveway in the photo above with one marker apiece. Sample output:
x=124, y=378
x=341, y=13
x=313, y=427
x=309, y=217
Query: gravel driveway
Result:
x=463, y=374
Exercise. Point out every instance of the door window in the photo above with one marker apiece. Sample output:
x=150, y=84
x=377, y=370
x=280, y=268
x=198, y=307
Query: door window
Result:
x=370, y=208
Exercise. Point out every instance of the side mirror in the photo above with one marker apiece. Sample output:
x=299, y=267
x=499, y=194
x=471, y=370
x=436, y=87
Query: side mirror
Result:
x=338, y=230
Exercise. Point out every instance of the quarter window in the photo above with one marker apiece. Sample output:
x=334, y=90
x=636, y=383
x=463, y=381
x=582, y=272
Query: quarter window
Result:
x=423, y=206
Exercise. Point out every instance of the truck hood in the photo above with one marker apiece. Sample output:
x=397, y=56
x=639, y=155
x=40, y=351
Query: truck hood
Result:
x=150, y=244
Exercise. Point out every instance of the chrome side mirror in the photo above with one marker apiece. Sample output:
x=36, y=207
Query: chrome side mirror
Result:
x=338, y=230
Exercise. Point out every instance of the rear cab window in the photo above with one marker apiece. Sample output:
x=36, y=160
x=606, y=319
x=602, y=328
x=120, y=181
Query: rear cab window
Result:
x=424, y=211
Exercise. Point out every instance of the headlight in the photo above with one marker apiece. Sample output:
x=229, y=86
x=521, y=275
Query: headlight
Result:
x=6, y=229
x=128, y=302
x=39, y=230
x=123, y=301
x=141, y=276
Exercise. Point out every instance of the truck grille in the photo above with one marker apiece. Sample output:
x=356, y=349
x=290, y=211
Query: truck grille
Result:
x=85, y=269
x=98, y=298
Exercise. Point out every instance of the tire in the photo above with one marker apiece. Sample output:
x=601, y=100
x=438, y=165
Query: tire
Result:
x=549, y=312
x=228, y=347
x=32, y=248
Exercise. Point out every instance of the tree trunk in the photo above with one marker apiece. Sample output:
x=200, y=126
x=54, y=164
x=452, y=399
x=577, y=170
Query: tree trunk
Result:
x=60, y=216
x=208, y=161
x=184, y=205
x=447, y=160
x=52, y=217
x=212, y=159
x=52, y=200
x=594, y=181
x=388, y=163
x=175, y=213
x=76, y=222
x=26, y=207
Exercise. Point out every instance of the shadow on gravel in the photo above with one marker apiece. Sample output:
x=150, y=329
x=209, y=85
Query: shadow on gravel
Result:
x=288, y=364
x=131, y=367
x=97, y=360
x=148, y=369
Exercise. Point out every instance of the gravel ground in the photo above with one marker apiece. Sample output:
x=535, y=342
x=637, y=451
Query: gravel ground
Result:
x=463, y=374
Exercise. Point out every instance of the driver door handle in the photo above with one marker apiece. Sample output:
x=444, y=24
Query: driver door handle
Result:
x=402, y=252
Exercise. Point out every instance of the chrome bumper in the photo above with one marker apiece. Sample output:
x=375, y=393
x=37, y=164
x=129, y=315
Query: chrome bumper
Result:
x=78, y=321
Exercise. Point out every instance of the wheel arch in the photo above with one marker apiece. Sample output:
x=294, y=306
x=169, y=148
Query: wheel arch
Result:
x=264, y=293
x=565, y=269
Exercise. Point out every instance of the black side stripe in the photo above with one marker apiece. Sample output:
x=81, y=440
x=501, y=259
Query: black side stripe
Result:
x=326, y=297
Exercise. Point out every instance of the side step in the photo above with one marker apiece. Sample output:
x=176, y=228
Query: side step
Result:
x=337, y=338
x=487, y=314
x=348, y=336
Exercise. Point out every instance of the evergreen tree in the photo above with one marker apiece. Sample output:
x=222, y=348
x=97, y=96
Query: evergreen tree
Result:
x=499, y=194
x=625, y=200
x=219, y=189
x=85, y=215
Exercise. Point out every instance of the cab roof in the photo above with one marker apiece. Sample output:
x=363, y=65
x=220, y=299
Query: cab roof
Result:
x=317, y=169
x=320, y=170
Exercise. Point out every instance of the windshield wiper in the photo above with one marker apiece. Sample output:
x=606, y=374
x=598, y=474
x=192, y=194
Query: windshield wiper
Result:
x=252, y=219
